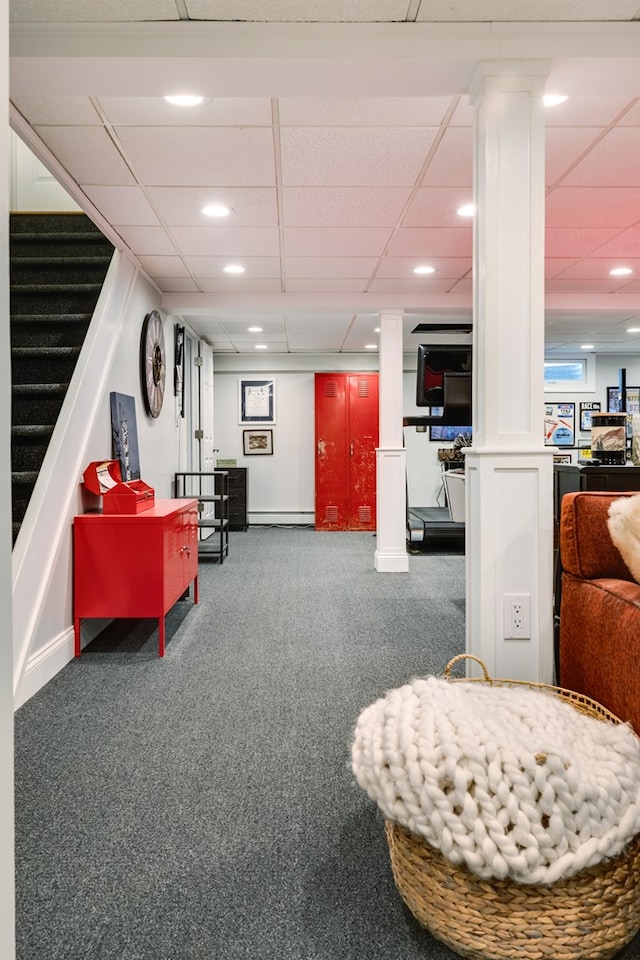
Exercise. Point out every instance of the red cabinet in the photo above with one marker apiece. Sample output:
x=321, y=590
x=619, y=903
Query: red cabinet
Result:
x=346, y=416
x=134, y=565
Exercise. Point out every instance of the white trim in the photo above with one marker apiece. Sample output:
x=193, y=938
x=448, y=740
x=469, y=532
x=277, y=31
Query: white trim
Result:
x=43, y=665
x=302, y=517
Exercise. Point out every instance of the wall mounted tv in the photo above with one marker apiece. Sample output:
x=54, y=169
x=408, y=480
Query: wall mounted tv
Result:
x=444, y=382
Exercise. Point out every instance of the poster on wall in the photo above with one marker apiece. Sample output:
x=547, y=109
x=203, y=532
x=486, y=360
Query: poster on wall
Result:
x=124, y=435
x=559, y=424
x=257, y=401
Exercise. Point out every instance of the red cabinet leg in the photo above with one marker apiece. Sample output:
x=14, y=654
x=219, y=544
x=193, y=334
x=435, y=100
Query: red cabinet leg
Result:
x=195, y=589
x=76, y=636
x=161, y=636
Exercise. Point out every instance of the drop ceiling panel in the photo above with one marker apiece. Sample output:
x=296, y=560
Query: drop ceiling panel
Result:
x=147, y=241
x=213, y=111
x=444, y=267
x=213, y=267
x=92, y=11
x=182, y=206
x=237, y=328
x=431, y=242
x=612, y=162
x=309, y=267
x=527, y=10
x=419, y=285
x=343, y=206
x=563, y=148
x=437, y=207
x=599, y=267
x=227, y=241
x=334, y=285
x=581, y=242
x=123, y=205
x=88, y=153
x=178, y=285
x=209, y=156
x=343, y=156
x=235, y=285
x=161, y=267
x=625, y=245
x=601, y=207
x=452, y=165
x=324, y=242
x=61, y=111
x=363, y=111
x=586, y=112
x=568, y=285
x=329, y=11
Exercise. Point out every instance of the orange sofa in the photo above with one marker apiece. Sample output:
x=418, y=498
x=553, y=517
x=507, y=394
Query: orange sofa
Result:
x=599, y=610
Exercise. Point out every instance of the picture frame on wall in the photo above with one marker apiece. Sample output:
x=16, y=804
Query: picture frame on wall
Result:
x=257, y=443
x=632, y=397
x=124, y=435
x=586, y=410
x=257, y=401
x=560, y=424
x=444, y=434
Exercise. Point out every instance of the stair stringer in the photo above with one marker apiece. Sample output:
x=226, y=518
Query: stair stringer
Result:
x=48, y=521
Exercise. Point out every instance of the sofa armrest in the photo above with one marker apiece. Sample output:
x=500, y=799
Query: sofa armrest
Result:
x=586, y=548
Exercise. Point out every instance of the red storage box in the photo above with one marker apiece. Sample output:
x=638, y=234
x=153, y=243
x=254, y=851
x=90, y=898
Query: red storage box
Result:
x=133, y=496
x=102, y=475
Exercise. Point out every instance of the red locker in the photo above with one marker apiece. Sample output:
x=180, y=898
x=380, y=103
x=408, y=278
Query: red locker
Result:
x=346, y=414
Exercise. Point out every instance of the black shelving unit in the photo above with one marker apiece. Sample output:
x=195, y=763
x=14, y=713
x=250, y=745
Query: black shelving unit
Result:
x=209, y=488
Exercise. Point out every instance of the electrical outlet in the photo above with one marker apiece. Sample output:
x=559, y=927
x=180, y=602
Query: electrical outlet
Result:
x=517, y=616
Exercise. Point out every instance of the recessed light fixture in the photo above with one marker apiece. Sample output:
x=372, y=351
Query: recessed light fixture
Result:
x=633, y=329
x=371, y=346
x=216, y=210
x=233, y=268
x=185, y=100
x=586, y=346
x=376, y=329
x=554, y=99
x=620, y=272
x=255, y=329
x=466, y=210
x=423, y=269
x=261, y=346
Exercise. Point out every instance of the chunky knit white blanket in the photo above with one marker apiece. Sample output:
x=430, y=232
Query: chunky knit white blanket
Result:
x=510, y=781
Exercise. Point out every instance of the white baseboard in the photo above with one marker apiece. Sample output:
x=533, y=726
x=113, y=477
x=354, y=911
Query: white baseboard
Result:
x=43, y=666
x=282, y=518
x=391, y=562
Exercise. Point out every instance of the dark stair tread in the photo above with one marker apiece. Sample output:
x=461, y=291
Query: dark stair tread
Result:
x=46, y=351
x=50, y=317
x=39, y=387
x=54, y=287
x=32, y=430
x=24, y=476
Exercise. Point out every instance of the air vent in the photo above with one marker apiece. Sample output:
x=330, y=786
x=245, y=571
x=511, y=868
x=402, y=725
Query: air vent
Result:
x=331, y=388
x=331, y=515
x=364, y=514
x=363, y=388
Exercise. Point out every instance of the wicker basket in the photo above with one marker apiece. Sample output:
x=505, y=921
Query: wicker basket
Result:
x=589, y=916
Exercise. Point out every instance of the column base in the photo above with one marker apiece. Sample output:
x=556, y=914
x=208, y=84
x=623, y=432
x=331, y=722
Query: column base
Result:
x=391, y=562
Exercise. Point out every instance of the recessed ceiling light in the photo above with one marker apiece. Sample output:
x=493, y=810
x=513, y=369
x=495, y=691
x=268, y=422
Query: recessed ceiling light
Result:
x=255, y=329
x=466, y=210
x=620, y=272
x=633, y=329
x=371, y=346
x=554, y=99
x=185, y=100
x=234, y=268
x=216, y=210
x=423, y=269
x=261, y=346
x=376, y=329
x=586, y=346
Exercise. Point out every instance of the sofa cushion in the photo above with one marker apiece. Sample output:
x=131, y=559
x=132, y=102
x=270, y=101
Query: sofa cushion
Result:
x=624, y=527
x=586, y=547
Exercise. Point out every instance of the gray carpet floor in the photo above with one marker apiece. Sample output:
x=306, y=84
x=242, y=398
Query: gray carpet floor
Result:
x=202, y=807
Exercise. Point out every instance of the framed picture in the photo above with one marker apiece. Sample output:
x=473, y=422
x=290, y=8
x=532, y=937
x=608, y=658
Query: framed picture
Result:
x=446, y=433
x=257, y=443
x=562, y=458
x=257, y=401
x=124, y=435
x=586, y=409
x=632, y=397
x=559, y=424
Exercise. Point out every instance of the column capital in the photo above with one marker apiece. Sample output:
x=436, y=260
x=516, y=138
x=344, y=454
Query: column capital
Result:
x=515, y=76
x=392, y=314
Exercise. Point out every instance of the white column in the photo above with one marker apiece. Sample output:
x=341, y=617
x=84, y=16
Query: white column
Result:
x=7, y=883
x=391, y=500
x=509, y=541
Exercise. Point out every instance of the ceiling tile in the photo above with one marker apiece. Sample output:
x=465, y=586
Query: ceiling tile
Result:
x=123, y=205
x=182, y=206
x=452, y=165
x=421, y=286
x=239, y=285
x=595, y=207
x=227, y=241
x=58, y=111
x=595, y=268
x=402, y=268
x=506, y=11
x=88, y=153
x=343, y=206
x=301, y=11
x=363, y=111
x=158, y=267
x=431, y=242
x=213, y=111
x=324, y=242
x=579, y=111
x=438, y=206
x=578, y=287
x=309, y=267
x=213, y=267
x=320, y=285
x=147, y=241
x=209, y=156
x=80, y=11
x=612, y=162
x=343, y=156
x=177, y=285
x=624, y=246
x=580, y=242
x=563, y=148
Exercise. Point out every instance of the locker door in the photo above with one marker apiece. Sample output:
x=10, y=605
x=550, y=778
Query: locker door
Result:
x=332, y=466
x=363, y=439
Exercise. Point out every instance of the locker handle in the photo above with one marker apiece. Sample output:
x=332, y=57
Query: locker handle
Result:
x=351, y=448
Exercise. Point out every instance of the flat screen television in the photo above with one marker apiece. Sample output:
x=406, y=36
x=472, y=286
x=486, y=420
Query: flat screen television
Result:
x=444, y=382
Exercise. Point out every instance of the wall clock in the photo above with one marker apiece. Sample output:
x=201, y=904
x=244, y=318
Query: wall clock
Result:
x=153, y=362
